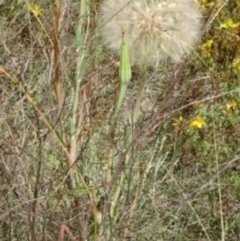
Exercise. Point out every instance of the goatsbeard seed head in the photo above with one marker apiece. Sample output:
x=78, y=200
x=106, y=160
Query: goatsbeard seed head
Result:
x=155, y=30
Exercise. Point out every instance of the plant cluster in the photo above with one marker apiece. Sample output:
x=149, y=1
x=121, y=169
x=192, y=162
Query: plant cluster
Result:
x=119, y=120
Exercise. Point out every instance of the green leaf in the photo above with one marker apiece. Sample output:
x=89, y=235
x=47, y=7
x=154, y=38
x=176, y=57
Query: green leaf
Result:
x=125, y=73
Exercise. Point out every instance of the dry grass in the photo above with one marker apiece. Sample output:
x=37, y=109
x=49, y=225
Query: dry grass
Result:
x=63, y=177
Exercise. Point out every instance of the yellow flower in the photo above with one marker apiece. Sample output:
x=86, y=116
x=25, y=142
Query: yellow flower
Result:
x=229, y=25
x=178, y=122
x=231, y=105
x=206, y=3
x=203, y=2
x=35, y=9
x=198, y=122
x=236, y=64
x=207, y=47
x=209, y=44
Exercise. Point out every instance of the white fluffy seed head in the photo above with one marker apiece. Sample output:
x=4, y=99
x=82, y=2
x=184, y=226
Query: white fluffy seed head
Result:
x=155, y=30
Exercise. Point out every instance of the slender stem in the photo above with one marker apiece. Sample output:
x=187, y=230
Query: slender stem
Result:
x=138, y=101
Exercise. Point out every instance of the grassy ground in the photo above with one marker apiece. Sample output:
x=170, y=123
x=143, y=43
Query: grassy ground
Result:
x=67, y=173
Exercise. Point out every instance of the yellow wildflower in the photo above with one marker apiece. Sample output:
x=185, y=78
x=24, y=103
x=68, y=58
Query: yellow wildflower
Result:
x=206, y=48
x=209, y=44
x=229, y=25
x=198, y=122
x=35, y=9
x=178, y=122
x=231, y=105
x=203, y=2
x=236, y=65
x=206, y=3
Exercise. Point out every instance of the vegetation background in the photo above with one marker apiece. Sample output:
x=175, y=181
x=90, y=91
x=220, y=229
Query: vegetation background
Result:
x=67, y=174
